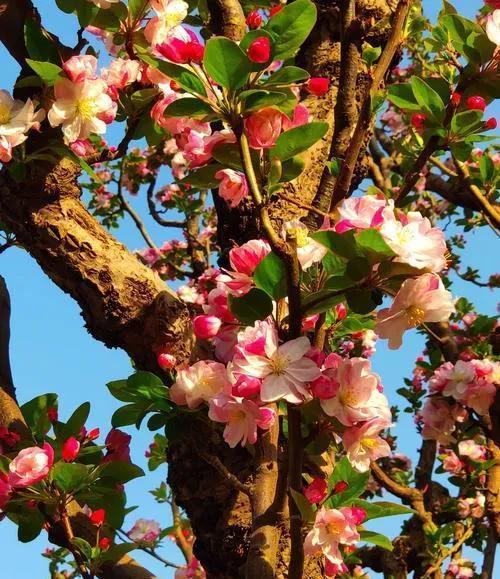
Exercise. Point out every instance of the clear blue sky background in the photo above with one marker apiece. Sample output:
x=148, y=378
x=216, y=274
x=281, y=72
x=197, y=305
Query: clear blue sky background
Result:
x=52, y=352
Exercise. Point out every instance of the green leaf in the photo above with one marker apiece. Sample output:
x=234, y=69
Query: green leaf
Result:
x=270, y=276
x=291, y=26
x=287, y=75
x=120, y=391
x=363, y=301
x=204, y=177
x=376, y=539
x=226, y=63
x=183, y=77
x=402, y=96
x=307, y=511
x=47, y=71
x=321, y=301
x=358, y=268
x=381, y=509
x=468, y=38
x=465, y=122
x=121, y=471
x=116, y=552
x=188, y=107
x=486, y=168
x=255, y=100
x=253, y=306
x=298, y=139
x=86, y=13
x=74, y=425
x=356, y=481
x=137, y=8
x=157, y=421
x=371, y=54
x=83, y=547
x=35, y=413
x=141, y=378
x=343, y=244
x=373, y=246
x=30, y=524
x=126, y=415
x=291, y=169
x=428, y=99
x=67, y=6
x=228, y=154
x=39, y=46
x=70, y=476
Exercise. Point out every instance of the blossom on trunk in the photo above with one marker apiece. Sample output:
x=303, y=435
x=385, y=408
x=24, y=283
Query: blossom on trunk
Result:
x=199, y=383
x=242, y=418
x=419, y=300
x=363, y=443
x=284, y=370
x=80, y=107
x=332, y=528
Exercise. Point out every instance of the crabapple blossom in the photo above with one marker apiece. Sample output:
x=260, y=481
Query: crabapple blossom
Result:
x=181, y=46
x=332, y=528
x=242, y=418
x=263, y=128
x=471, y=449
x=118, y=446
x=233, y=186
x=169, y=14
x=472, y=506
x=31, y=465
x=80, y=108
x=81, y=67
x=363, y=443
x=315, y=492
x=121, y=72
x=361, y=213
x=206, y=326
x=145, y=531
x=357, y=398
x=309, y=251
x=438, y=420
x=461, y=569
x=301, y=116
x=419, y=300
x=244, y=260
x=199, y=383
x=451, y=462
x=284, y=370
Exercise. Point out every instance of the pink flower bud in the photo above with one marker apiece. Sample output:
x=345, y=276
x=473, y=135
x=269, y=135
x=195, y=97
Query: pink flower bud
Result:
x=246, y=386
x=340, y=487
x=166, y=361
x=316, y=491
x=93, y=434
x=70, y=449
x=324, y=387
x=318, y=86
x=81, y=67
x=358, y=514
x=104, y=543
x=254, y=20
x=476, y=103
x=263, y=128
x=341, y=311
x=418, y=121
x=491, y=124
x=259, y=50
x=206, y=326
x=456, y=97
x=98, y=517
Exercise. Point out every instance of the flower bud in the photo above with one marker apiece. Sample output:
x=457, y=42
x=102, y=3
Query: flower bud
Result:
x=206, y=326
x=316, y=491
x=254, y=20
x=166, y=361
x=490, y=124
x=418, y=121
x=70, y=449
x=104, y=543
x=476, y=103
x=318, y=86
x=259, y=50
x=340, y=487
x=97, y=517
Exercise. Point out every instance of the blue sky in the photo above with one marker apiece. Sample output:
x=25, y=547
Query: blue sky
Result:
x=52, y=352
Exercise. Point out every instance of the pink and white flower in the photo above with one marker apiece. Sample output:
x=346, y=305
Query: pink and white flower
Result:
x=363, y=443
x=285, y=370
x=169, y=15
x=121, y=73
x=421, y=299
x=472, y=450
x=361, y=213
x=81, y=67
x=80, y=107
x=357, y=398
x=31, y=465
x=233, y=186
x=332, y=528
x=145, y=531
x=242, y=418
x=199, y=383
x=493, y=27
x=309, y=251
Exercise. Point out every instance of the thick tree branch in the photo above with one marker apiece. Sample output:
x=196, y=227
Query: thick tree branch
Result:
x=227, y=18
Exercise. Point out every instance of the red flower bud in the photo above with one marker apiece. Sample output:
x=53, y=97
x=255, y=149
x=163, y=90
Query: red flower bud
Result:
x=274, y=10
x=166, y=361
x=340, y=487
x=318, y=85
x=341, y=311
x=93, y=434
x=456, y=97
x=104, y=543
x=260, y=50
x=358, y=514
x=418, y=120
x=174, y=85
x=70, y=449
x=52, y=413
x=254, y=20
x=316, y=491
x=476, y=103
x=490, y=124
x=97, y=517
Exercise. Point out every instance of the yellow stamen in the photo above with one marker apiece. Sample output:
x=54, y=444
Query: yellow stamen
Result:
x=4, y=114
x=415, y=316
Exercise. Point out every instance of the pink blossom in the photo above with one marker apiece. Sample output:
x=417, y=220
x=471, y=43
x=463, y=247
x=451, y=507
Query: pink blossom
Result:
x=301, y=116
x=144, y=531
x=472, y=506
x=493, y=27
x=181, y=46
x=199, y=383
x=246, y=386
x=461, y=569
x=472, y=450
x=31, y=465
x=121, y=72
x=233, y=186
x=170, y=13
x=421, y=299
x=332, y=528
x=224, y=343
x=357, y=398
x=81, y=67
x=242, y=418
x=415, y=241
x=284, y=370
x=7, y=143
x=479, y=397
x=263, y=128
x=457, y=378
x=70, y=449
x=82, y=147
x=363, y=443
x=245, y=258
x=206, y=326
x=315, y=492
x=438, y=419
x=451, y=463
x=217, y=304
x=324, y=388
x=361, y=213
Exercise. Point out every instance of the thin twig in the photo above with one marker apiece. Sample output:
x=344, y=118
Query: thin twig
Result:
x=74, y=551
x=148, y=550
x=180, y=539
x=448, y=553
x=154, y=212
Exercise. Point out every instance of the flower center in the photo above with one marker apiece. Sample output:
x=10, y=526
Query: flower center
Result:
x=4, y=114
x=333, y=528
x=415, y=316
x=85, y=108
x=368, y=443
x=348, y=398
x=236, y=416
x=278, y=364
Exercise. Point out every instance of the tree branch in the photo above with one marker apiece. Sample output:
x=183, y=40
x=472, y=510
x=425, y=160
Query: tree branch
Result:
x=227, y=18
